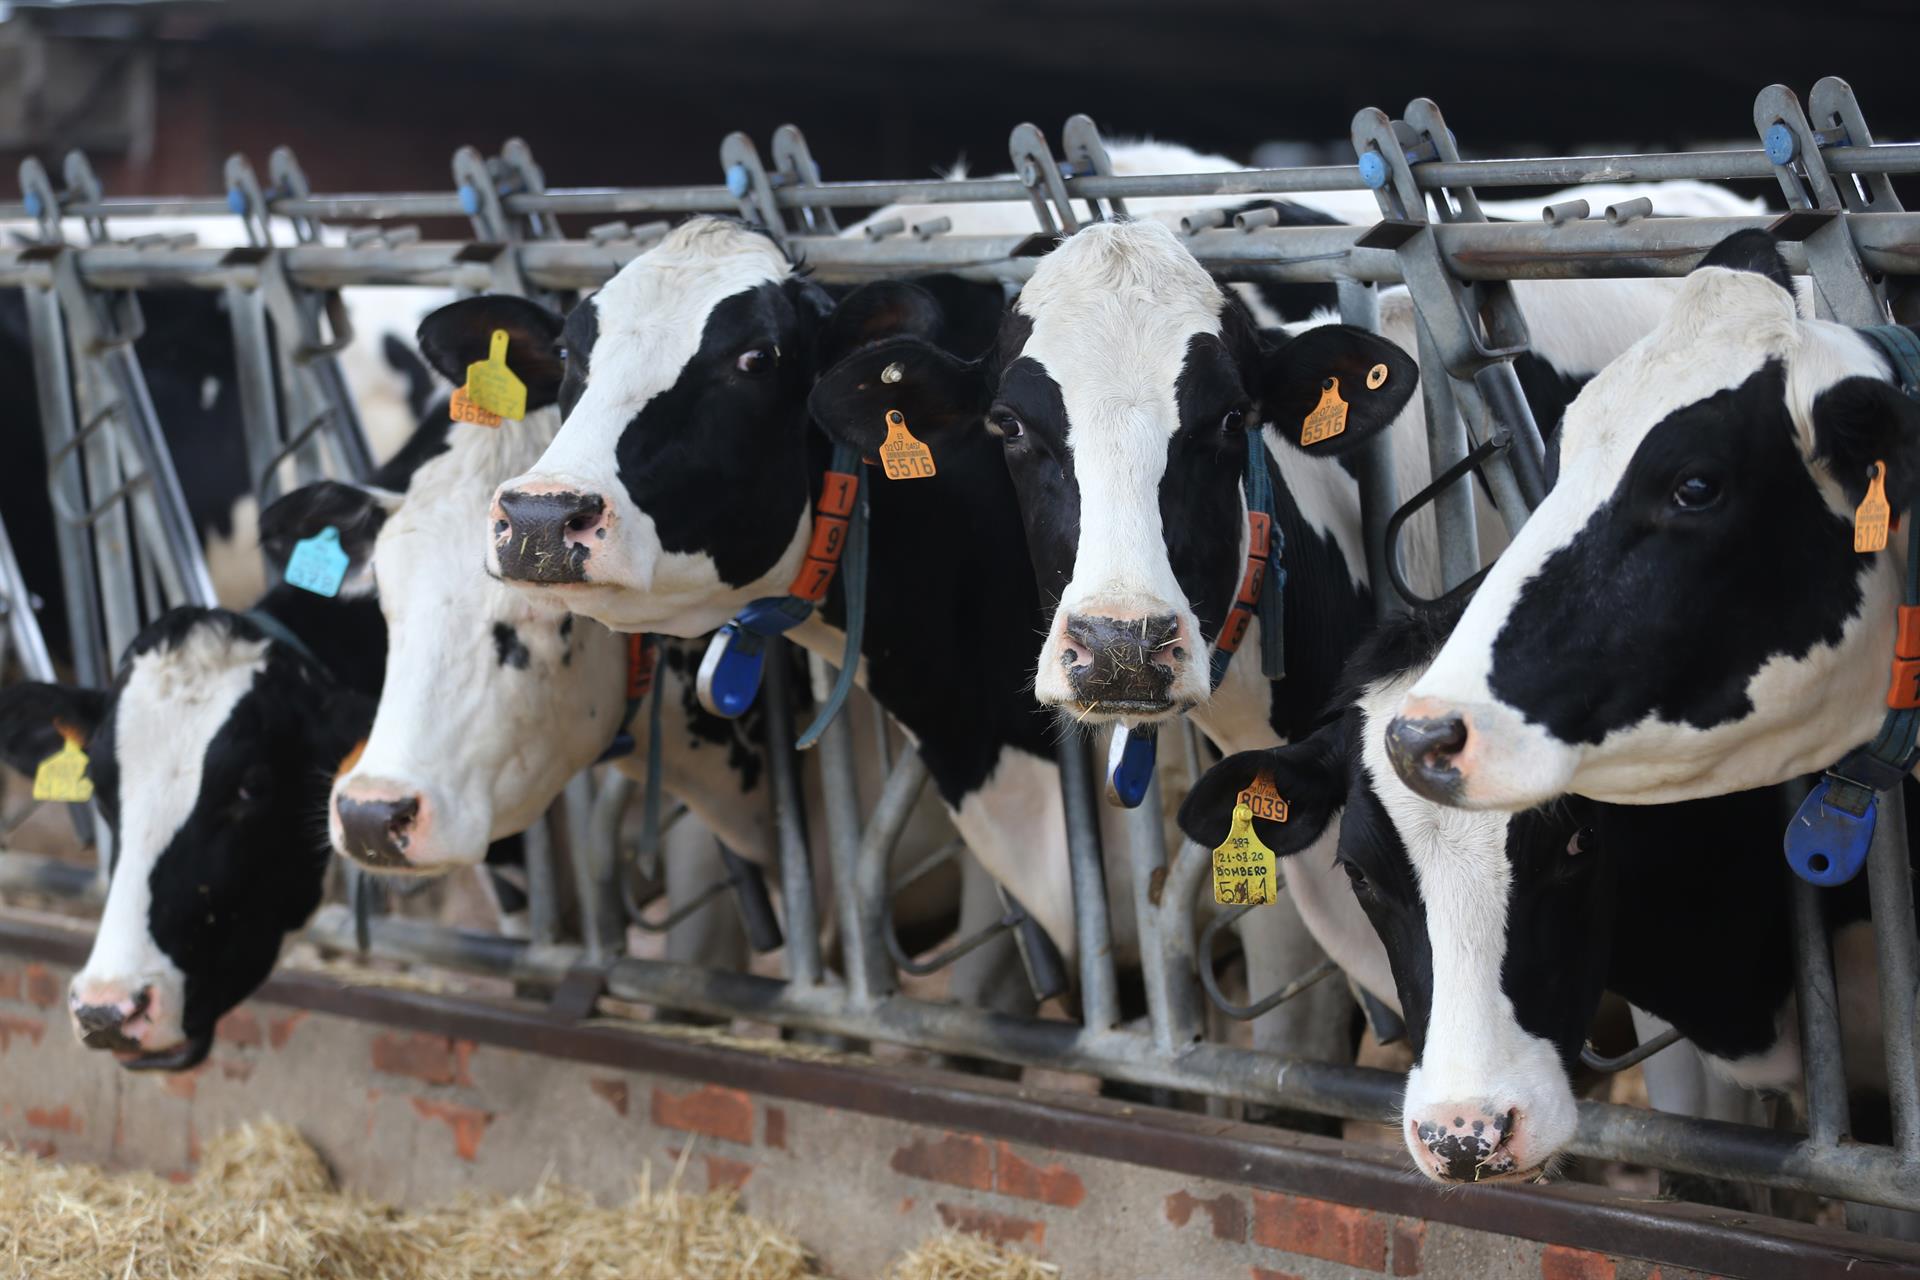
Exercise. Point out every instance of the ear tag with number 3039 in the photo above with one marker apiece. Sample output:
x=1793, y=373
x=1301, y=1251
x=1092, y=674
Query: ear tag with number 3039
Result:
x=1872, y=516
x=318, y=564
x=1328, y=418
x=491, y=386
x=902, y=455
x=62, y=776
x=1245, y=871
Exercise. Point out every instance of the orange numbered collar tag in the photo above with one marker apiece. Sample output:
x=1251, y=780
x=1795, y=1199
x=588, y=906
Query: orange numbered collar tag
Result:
x=902, y=455
x=1873, y=516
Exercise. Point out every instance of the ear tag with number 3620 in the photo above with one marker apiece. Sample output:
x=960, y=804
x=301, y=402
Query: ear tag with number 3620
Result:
x=62, y=776
x=318, y=564
x=491, y=386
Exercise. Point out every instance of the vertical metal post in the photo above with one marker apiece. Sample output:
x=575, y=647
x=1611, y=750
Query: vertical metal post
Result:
x=1446, y=444
x=1890, y=888
x=1826, y=1081
x=253, y=369
x=543, y=908
x=866, y=971
x=593, y=873
x=796, y=868
x=21, y=625
x=867, y=902
x=1093, y=934
x=1173, y=1000
x=1360, y=307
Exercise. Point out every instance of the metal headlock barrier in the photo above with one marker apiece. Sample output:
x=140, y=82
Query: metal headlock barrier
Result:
x=127, y=550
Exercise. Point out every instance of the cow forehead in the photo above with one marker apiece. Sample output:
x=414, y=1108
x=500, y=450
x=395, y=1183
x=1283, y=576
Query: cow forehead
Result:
x=1722, y=328
x=1112, y=311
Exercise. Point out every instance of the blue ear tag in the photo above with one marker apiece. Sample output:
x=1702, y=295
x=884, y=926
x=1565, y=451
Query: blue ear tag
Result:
x=318, y=564
x=1827, y=841
x=1130, y=759
x=729, y=676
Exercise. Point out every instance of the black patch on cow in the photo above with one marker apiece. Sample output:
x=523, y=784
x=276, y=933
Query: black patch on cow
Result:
x=743, y=738
x=566, y=641
x=509, y=650
x=1688, y=655
x=581, y=331
x=1752, y=250
x=1549, y=391
x=1201, y=517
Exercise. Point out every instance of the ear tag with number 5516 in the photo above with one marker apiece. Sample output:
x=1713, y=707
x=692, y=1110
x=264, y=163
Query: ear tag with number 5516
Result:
x=494, y=388
x=902, y=456
x=1328, y=418
x=62, y=776
x=318, y=564
x=1245, y=872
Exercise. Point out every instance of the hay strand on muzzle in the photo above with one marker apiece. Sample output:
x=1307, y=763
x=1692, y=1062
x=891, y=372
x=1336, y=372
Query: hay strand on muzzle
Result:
x=264, y=1205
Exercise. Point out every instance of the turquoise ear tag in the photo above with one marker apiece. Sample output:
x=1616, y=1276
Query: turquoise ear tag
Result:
x=1827, y=841
x=1130, y=758
x=318, y=564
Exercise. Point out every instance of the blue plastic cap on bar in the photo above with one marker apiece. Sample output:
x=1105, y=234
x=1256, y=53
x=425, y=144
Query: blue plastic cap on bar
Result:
x=237, y=200
x=33, y=205
x=469, y=199
x=1780, y=143
x=1373, y=169
x=738, y=183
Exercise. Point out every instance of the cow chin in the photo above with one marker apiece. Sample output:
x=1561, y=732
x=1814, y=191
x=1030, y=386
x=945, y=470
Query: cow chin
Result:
x=1477, y=755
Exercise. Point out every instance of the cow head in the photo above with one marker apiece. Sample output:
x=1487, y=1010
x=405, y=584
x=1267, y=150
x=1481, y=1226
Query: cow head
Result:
x=1685, y=614
x=1123, y=385
x=492, y=698
x=1496, y=925
x=210, y=758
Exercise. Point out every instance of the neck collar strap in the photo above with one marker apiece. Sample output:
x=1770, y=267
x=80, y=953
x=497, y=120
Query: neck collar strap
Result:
x=279, y=631
x=643, y=656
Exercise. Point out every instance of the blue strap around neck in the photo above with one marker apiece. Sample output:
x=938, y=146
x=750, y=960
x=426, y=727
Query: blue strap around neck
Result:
x=279, y=631
x=1257, y=485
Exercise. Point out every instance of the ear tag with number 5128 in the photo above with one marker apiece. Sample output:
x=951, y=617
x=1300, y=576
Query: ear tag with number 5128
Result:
x=494, y=388
x=318, y=564
x=62, y=776
x=1873, y=515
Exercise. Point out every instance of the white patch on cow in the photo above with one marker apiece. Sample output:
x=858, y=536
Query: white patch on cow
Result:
x=1722, y=328
x=1476, y=1052
x=174, y=702
x=1112, y=309
x=487, y=746
x=652, y=316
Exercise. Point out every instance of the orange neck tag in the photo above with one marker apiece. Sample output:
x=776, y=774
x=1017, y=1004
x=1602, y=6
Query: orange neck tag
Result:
x=1871, y=517
x=902, y=456
x=1329, y=417
x=1264, y=799
x=461, y=408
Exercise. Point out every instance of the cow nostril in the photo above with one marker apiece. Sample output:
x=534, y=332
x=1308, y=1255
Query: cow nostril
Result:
x=1423, y=751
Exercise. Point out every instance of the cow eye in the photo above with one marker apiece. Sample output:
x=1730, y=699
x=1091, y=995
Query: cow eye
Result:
x=1003, y=423
x=755, y=362
x=1582, y=842
x=1355, y=876
x=1233, y=420
x=561, y=354
x=1695, y=492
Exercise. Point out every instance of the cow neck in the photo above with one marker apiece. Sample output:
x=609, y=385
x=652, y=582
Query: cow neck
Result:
x=346, y=638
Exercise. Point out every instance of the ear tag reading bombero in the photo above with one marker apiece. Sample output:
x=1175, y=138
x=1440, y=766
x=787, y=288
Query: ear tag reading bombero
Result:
x=1329, y=417
x=902, y=456
x=318, y=564
x=1245, y=872
x=1826, y=843
x=492, y=386
x=1130, y=757
x=62, y=776
x=1871, y=517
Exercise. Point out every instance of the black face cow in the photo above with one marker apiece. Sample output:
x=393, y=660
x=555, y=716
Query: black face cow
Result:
x=1685, y=614
x=210, y=758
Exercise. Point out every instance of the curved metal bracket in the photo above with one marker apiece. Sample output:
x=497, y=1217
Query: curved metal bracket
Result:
x=43, y=202
x=1477, y=455
x=747, y=179
x=1845, y=292
x=1633, y=1057
x=1833, y=108
x=247, y=201
x=524, y=176
x=83, y=187
x=1210, y=982
x=1086, y=153
x=290, y=182
x=793, y=166
x=1034, y=165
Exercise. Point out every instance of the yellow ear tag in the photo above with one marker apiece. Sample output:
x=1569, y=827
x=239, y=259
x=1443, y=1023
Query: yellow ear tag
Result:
x=1871, y=516
x=494, y=388
x=461, y=408
x=1245, y=872
x=902, y=456
x=62, y=776
x=1329, y=417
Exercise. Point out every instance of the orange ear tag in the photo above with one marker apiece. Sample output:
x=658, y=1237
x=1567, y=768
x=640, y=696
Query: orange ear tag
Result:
x=902, y=456
x=1376, y=377
x=1329, y=417
x=1264, y=799
x=1245, y=872
x=1871, y=517
x=462, y=409
x=62, y=776
x=492, y=386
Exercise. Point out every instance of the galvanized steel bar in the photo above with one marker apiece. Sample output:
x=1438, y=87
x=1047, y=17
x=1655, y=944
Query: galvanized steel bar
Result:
x=1173, y=1004
x=866, y=971
x=1890, y=886
x=1092, y=932
x=790, y=822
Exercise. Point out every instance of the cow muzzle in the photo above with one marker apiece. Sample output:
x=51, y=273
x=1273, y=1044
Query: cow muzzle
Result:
x=399, y=828
x=547, y=533
x=1467, y=1143
x=109, y=1015
x=1425, y=752
x=1122, y=665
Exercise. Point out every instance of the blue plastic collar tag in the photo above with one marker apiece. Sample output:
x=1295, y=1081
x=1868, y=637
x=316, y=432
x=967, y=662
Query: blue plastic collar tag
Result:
x=318, y=564
x=729, y=674
x=1130, y=759
x=1826, y=842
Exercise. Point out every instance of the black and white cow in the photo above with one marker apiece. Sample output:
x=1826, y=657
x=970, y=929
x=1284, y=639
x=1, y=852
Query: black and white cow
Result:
x=1685, y=614
x=1503, y=929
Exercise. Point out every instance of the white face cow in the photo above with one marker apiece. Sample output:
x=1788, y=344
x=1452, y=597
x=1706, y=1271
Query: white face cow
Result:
x=492, y=698
x=1685, y=614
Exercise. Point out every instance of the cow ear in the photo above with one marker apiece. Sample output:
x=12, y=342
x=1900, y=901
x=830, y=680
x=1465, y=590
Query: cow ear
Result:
x=32, y=716
x=461, y=333
x=1860, y=421
x=355, y=512
x=1753, y=250
x=1332, y=387
x=935, y=390
x=875, y=312
x=1311, y=776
